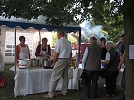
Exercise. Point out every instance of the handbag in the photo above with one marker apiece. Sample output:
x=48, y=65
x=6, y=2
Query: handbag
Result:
x=2, y=82
x=103, y=72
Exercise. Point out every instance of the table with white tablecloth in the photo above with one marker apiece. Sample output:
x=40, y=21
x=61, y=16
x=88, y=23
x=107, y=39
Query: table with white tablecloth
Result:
x=36, y=80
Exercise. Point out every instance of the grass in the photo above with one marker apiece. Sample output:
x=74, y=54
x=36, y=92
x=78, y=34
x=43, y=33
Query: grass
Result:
x=7, y=93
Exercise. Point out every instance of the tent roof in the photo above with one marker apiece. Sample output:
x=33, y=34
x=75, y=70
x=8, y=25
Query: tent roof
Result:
x=37, y=24
x=25, y=24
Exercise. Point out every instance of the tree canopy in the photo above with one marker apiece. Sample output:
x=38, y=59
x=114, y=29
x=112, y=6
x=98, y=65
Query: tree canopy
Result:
x=59, y=13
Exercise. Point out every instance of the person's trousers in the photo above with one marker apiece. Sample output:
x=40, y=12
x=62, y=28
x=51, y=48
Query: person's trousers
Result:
x=60, y=70
x=111, y=82
x=91, y=76
x=83, y=77
x=123, y=80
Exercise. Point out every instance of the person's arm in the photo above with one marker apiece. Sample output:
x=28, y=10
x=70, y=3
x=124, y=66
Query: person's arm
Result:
x=118, y=43
x=28, y=52
x=37, y=53
x=84, y=57
x=55, y=58
x=121, y=61
x=56, y=54
x=49, y=51
x=107, y=59
x=17, y=53
x=70, y=55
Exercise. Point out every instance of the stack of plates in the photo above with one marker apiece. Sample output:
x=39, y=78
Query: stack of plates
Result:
x=22, y=66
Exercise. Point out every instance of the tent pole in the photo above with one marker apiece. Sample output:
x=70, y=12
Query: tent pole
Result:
x=39, y=37
x=79, y=41
x=15, y=50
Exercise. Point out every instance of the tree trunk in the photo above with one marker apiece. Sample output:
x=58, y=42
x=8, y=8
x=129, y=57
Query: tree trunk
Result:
x=129, y=40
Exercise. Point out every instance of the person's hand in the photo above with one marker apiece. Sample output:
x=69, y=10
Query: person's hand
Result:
x=17, y=64
x=119, y=67
x=102, y=61
x=41, y=53
x=70, y=66
x=52, y=64
x=47, y=57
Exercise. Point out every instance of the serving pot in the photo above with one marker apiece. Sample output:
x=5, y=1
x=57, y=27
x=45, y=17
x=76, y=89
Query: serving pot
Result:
x=34, y=62
x=46, y=62
x=24, y=63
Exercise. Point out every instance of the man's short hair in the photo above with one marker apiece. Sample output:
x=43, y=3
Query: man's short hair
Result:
x=61, y=32
x=93, y=38
x=21, y=38
x=122, y=35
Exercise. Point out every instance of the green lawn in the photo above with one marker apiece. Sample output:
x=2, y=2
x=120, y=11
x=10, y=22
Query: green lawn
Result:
x=7, y=93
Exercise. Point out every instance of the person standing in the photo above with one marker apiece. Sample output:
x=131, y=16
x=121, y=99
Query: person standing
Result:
x=43, y=51
x=123, y=75
x=92, y=66
x=103, y=55
x=22, y=50
x=61, y=64
x=112, y=60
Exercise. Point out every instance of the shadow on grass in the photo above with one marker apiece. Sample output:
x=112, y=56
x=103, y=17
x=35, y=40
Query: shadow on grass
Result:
x=7, y=93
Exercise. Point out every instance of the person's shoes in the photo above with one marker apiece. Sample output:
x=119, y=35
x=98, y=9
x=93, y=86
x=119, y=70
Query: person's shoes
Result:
x=104, y=85
x=112, y=95
x=59, y=93
x=107, y=95
x=47, y=96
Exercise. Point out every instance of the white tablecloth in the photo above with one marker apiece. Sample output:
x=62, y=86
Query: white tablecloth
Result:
x=36, y=80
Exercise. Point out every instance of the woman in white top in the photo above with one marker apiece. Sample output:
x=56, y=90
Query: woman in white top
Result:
x=22, y=50
x=43, y=51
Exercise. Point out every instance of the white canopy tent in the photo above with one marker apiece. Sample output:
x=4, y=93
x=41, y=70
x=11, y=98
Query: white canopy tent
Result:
x=38, y=25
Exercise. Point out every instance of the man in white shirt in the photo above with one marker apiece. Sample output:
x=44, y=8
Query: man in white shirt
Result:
x=61, y=63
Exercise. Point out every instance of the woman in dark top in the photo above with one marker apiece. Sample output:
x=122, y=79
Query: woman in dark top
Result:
x=43, y=51
x=104, y=50
x=103, y=54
